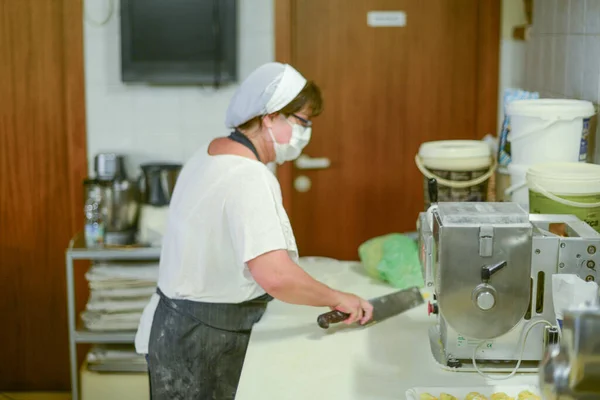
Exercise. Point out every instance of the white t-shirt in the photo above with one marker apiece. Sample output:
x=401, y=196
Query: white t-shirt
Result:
x=225, y=211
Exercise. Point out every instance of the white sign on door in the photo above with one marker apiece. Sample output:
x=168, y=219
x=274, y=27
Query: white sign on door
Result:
x=386, y=18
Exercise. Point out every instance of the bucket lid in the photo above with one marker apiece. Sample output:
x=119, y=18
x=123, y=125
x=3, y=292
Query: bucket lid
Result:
x=551, y=108
x=566, y=178
x=455, y=149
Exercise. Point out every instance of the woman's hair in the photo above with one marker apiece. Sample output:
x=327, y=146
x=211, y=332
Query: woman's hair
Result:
x=309, y=97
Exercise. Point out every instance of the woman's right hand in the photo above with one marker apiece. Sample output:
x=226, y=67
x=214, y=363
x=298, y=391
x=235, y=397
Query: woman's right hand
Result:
x=359, y=309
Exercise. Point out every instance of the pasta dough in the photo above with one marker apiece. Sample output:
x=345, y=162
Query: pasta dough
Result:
x=527, y=395
x=524, y=395
x=446, y=396
x=475, y=396
x=501, y=396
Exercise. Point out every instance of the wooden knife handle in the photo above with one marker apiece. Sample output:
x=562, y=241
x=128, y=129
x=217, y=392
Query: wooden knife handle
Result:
x=332, y=317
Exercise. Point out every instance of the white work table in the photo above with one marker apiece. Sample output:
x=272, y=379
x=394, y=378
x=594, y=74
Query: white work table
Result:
x=290, y=357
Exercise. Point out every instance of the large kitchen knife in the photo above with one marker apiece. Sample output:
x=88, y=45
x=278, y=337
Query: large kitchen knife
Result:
x=383, y=307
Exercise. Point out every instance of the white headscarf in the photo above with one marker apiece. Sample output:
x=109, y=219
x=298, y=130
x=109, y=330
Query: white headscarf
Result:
x=267, y=90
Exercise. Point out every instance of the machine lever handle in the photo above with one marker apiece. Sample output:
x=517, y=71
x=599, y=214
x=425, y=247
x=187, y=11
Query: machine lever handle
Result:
x=432, y=189
x=488, y=270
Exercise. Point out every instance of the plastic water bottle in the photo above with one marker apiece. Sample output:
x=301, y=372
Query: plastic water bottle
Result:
x=94, y=224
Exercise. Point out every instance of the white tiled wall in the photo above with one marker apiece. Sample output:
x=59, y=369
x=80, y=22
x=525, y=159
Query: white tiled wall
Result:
x=149, y=123
x=512, y=52
x=563, y=57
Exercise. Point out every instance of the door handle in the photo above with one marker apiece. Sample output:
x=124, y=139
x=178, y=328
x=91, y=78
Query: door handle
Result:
x=307, y=162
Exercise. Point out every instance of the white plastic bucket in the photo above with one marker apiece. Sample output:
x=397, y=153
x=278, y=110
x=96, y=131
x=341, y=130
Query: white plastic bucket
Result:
x=549, y=130
x=566, y=188
x=461, y=168
x=518, y=191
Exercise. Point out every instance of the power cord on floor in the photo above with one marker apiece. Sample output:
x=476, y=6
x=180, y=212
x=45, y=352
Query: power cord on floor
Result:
x=7, y=397
x=514, y=371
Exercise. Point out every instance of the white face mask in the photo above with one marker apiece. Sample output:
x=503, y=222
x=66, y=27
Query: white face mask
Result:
x=292, y=150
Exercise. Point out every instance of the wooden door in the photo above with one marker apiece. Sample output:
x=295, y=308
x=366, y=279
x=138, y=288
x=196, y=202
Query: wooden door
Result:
x=42, y=164
x=386, y=90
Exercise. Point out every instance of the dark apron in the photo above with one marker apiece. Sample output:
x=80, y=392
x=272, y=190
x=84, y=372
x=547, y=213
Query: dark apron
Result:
x=196, y=350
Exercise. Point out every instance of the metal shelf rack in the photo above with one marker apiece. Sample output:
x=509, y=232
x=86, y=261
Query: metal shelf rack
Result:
x=77, y=335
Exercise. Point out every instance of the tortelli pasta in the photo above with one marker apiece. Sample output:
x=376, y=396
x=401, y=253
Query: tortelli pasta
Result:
x=524, y=395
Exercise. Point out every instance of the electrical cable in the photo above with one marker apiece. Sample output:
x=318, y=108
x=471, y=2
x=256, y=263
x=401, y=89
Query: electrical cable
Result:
x=514, y=371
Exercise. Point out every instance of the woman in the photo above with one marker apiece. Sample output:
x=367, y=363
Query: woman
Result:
x=229, y=246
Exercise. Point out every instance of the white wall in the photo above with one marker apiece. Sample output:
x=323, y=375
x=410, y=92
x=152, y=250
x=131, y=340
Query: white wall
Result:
x=160, y=123
x=513, y=53
x=563, y=57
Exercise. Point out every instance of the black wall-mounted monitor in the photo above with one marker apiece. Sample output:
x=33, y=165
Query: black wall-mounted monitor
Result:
x=179, y=42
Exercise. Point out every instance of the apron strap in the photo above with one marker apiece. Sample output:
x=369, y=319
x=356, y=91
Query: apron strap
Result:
x=239, y=137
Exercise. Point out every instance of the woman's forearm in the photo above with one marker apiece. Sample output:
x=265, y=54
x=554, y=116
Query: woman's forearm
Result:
x=286, y=281
x=295, y=286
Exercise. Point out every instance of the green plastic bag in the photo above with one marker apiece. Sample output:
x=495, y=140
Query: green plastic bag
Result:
x=392, y=258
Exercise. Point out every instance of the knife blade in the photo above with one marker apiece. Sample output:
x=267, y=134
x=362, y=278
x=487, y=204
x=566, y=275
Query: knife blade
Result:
x=383, y=307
